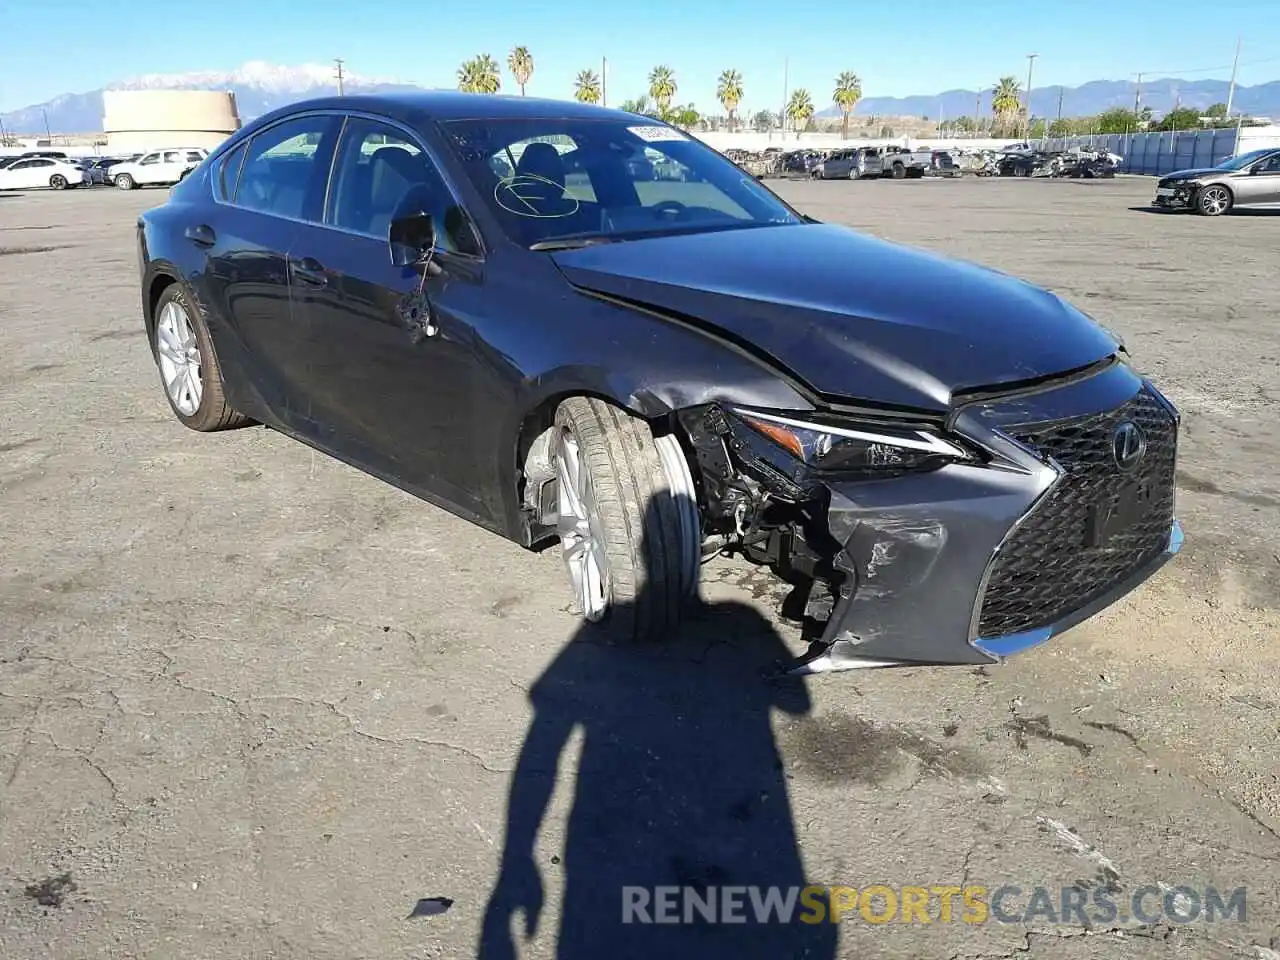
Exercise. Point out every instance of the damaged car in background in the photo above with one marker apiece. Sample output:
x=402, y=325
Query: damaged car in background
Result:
x=478, y=300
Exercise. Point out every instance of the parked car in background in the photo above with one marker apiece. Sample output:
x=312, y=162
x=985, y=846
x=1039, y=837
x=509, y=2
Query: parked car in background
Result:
x=852, y=163
x=32, y=172
x=159, y=167
x=902, y=162
x=1242, y=181
x=942, y=164
x=950, y=464
x=93, y=173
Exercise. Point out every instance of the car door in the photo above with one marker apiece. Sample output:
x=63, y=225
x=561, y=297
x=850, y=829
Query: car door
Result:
x=1263, y=184
x=380, y=391
x=263, y=190
x=17, y=176
x=145, y=170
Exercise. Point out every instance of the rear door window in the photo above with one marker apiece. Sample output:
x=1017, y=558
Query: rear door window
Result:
x=284, y=168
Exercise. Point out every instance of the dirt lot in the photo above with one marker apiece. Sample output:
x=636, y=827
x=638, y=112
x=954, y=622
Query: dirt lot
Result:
x=256, y=704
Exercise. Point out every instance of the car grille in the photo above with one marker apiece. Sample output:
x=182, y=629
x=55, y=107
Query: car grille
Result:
x=1048, y=566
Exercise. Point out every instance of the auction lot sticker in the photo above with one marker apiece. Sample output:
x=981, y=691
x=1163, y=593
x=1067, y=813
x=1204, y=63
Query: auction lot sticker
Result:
x=654, y=134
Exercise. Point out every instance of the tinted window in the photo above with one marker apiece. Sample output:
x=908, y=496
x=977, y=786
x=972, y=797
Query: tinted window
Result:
x=228, y=173
x=279, y=170
x=615, y=178
x=20, y=165
x=1270, y=166
x=40, y=163
x=378, y=170
x=150, y=158
x=194, y=156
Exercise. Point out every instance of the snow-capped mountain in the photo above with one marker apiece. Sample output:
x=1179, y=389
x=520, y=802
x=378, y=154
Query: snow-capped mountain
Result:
x=259, y=87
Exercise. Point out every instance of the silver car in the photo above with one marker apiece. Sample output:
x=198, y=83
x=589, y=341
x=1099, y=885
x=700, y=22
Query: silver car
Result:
x=1250, y=178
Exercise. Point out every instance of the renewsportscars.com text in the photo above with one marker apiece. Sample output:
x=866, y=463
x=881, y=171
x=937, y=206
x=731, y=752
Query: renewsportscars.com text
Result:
x=973, y=903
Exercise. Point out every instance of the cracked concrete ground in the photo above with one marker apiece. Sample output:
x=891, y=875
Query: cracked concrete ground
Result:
x=256, y=704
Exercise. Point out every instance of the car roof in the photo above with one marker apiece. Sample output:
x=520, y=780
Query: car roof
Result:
x=455, y=105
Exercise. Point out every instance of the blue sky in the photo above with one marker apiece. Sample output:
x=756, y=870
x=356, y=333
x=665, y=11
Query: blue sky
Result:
x=898, y=48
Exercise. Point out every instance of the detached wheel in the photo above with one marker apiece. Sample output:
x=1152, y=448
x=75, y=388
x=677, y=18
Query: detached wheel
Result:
x=124, y=181
x=58, y=182
x=188, y=365
x=628, y=520
x=1214, y=201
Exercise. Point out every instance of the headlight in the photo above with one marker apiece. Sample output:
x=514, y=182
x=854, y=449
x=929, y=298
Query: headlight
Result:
x=864, y=450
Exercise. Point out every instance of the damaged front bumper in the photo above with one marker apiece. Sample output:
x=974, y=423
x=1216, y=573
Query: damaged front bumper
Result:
x=975, y=561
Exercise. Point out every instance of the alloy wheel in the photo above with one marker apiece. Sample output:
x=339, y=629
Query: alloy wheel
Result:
x=1214, y=201
x=178, y=354
x=578, y=524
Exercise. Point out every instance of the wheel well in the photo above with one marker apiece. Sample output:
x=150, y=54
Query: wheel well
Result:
x=543, y=417
x=159, y=285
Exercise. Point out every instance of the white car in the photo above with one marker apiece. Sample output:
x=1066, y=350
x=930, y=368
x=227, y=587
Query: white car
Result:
x=166, y=167
x=41, y=172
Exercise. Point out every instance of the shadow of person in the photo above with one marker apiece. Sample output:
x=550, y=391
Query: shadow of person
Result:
x=679, y=785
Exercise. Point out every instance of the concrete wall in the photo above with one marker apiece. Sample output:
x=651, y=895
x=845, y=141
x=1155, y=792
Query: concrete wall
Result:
x=145, y=119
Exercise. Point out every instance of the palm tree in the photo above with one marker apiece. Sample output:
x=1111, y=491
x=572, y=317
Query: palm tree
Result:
x=586, y=87
x=480, y=74
x=729, y=93
x=800, y=110
x=1005, y=100
x=848, y=93
x=662, y=87
x=520, y=62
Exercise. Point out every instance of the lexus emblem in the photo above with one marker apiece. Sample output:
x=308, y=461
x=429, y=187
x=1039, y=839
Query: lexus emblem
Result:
x=1128, y=445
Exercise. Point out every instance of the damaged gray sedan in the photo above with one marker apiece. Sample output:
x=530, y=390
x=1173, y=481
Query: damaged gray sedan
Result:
x=488, y=302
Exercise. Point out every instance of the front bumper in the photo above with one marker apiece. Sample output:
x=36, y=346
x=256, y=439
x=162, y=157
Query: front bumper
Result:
x=972, y=564
x=1174, y=198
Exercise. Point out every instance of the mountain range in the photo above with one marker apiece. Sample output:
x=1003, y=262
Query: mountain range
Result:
x=260, y=87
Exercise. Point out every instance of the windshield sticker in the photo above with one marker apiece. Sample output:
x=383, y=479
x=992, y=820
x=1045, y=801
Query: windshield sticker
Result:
x=529, y=195
x=651, y=133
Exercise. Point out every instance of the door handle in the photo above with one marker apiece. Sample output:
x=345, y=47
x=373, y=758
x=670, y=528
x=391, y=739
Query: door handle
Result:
x=309, y=270
x=201, y=235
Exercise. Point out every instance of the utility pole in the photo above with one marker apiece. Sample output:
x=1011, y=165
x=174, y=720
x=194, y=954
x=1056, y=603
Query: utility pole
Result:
x=1235, y=65
x=604, y=81
x=1137, y=96
x=44, y=113
x=1031, y=62
x=338, y=61
x=1061, y=90
x=977, y=112
x=782, y=116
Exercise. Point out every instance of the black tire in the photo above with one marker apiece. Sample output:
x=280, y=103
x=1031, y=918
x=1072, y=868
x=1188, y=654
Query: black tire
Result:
x=57, y=182
x=214, y=413
x=899, y=171
x=1206, y=198
x=124, y=182
x=645, y=540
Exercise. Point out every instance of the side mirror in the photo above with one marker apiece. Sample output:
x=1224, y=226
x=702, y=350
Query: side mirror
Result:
x=411, y=237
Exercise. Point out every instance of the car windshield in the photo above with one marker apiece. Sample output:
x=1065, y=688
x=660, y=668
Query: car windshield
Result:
x=554, y=182
x=1242, y=161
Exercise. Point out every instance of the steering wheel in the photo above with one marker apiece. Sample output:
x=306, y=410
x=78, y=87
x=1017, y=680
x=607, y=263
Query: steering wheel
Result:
x=672, y=208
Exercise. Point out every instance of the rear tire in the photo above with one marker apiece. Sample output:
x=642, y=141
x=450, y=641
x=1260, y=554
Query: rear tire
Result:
x=58, y=182
x=631, y=506
x=211, y=411
x=899, y=171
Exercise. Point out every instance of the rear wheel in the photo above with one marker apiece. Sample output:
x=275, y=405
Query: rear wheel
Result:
x=188, y=365
x=1214, y=201
x=627, y=518
x=899, y=171
x=58, y=182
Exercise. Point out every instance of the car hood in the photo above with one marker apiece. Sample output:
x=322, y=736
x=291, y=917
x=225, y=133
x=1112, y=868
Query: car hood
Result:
x=851, y=316
x=1193, y=174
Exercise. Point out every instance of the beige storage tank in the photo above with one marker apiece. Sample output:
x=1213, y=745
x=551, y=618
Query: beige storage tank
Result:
x=137, y=120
